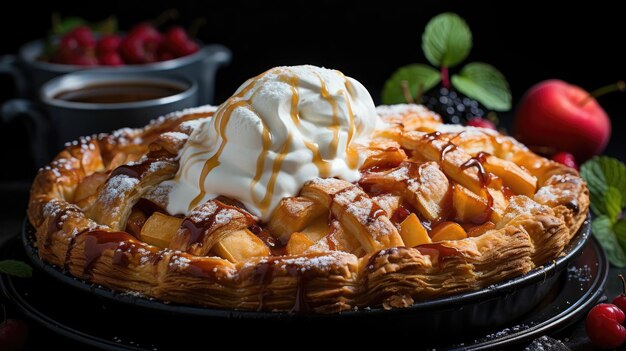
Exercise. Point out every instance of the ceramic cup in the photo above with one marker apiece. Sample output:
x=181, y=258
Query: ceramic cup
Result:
x=55, y=120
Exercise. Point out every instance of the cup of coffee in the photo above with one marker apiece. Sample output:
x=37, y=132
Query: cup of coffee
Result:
x=86, y=103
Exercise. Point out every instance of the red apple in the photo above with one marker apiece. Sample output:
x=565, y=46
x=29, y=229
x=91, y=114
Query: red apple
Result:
x=562, y=116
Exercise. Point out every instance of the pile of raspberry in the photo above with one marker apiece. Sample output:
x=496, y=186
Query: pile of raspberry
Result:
x=143, y=44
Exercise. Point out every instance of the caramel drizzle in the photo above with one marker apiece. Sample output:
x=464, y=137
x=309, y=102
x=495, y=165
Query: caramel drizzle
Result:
x=284, y=150
x=323, y=165
x=335, y=121
x=221, y=122
x=351, y=152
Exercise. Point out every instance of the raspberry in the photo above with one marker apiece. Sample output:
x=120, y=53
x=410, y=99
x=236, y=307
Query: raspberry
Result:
x=109, y=43
x=452, y=106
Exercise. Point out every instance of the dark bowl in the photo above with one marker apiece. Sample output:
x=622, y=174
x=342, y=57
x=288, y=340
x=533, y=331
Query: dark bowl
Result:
x=458, y=315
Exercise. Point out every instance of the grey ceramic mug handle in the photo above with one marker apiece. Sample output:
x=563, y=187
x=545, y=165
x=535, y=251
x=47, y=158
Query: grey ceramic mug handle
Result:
x=214, y=56
x=8, y=65
x=38, y=129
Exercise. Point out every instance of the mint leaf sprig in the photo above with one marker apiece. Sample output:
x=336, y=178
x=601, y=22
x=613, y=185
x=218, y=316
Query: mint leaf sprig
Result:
x=606, y=179
x=446, y=42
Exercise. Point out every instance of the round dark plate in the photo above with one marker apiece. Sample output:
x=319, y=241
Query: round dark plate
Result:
x=484, y=307
x=111, y=324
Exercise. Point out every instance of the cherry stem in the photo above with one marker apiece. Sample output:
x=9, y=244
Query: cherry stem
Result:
x=445, y=77
x=164, y=17
x=195, y=26
x=4, y=314
x=619, y=86
x=406, y=92
x=621, y=277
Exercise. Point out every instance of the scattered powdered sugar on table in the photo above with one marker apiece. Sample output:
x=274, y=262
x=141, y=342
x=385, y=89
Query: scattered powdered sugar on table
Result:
x=581, y=274
x=546, y=343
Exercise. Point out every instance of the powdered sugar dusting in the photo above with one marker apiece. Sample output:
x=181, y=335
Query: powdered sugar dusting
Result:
x=116, y=187
x=175, y=136
x=203, y=211
x=188, y=126
x=159, y=194
x=387, y=111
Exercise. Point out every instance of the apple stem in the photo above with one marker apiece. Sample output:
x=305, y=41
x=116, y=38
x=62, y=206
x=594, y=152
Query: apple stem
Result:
x=621, y=277
x=407, y=92
x=619, y=86
x=445, y=77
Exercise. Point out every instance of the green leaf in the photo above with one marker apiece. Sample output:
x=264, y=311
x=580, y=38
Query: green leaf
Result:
x=16, y=268
x=603, y=231
x=484, y=83
x=612, y=203
x=61, y=26
x=419, y=78
x=600, y=173
x=447, y=40
x=619, y=229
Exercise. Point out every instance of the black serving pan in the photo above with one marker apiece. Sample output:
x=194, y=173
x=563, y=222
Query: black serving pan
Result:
x=453, y=318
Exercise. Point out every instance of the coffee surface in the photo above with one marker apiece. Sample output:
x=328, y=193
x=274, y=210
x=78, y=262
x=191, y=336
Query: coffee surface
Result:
x=118, y=93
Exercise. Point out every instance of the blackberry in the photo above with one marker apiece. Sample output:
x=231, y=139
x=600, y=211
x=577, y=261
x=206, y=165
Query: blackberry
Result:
x=452, y=106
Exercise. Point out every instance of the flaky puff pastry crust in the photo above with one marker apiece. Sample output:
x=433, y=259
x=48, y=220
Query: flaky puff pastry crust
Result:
x=84, y=233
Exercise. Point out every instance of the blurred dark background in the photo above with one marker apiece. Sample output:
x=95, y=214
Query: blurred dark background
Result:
x=528, y=41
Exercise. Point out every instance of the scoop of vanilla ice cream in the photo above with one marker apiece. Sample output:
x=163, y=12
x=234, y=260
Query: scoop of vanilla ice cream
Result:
x=278, y=131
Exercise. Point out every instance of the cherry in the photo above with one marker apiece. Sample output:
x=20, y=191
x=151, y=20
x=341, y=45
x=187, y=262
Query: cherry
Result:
x=178, y=43
x=620, y=300
x=76, y=48
x=83, y=36
x=565, y=158
x=13, y=335
x=145, y=30
x=141, y=44
x=163, y=55
x=481, y=123
x=604, y=326
x=68, y=45
x=82, y=59
x=110, y=59
x=109, y=43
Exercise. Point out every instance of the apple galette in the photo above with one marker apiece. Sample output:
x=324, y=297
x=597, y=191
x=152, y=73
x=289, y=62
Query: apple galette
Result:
x=297, y=194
